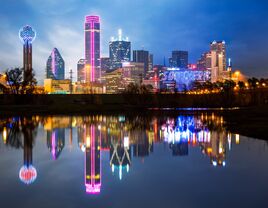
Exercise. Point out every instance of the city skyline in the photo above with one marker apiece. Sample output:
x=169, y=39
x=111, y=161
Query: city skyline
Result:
x=236, y=23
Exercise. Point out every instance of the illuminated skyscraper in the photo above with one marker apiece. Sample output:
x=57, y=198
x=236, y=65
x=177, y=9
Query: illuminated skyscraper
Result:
x=81, y=77
x=92, y=49
x=27, y=36
x=120, y=51
x=55, y=65
x=142, y=56
x=218, y=60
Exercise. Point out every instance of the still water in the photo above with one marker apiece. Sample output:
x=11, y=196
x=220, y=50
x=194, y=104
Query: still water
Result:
x=120, y=161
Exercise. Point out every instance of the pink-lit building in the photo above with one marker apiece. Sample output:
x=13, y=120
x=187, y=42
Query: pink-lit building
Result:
x=92, y=49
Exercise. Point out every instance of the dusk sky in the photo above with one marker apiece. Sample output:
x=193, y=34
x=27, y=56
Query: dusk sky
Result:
x=159, y=26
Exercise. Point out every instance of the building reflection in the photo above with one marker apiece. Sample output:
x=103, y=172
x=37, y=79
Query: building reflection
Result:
x=28, y=173
x=89, y=140
x=189, y=130
x=124, y=139
x=56, y=142
x=120, y=155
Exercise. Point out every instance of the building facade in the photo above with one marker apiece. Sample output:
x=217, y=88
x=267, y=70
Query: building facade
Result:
x=218, y=60
x=142, y=56
x=179, y=59
x=81, y=76
x=177, y=79
x=55, y=68
x=119, y=51
x=92, y=49
x=105, y=64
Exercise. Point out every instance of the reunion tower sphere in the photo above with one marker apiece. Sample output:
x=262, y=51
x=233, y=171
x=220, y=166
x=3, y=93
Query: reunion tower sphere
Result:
x=27, y=34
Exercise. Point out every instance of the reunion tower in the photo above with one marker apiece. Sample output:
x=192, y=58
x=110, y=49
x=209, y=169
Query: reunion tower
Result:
x=27, y=36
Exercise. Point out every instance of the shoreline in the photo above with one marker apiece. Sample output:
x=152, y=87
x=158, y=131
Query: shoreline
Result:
x=246, y=121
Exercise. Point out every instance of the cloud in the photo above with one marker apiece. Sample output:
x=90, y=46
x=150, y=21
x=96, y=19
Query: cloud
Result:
x=53, y=7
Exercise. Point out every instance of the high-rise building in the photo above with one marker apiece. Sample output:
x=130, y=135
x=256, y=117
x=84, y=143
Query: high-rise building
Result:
x=92, y=49
x=55, y=66
x=179, y=59
x=204, y=63
x=151, y=62
x=220, y=48
x=120, y=51
x=27, y=36
x=218, y=60
x=142, y=56
x=105, y=64
x=133, y=72
x=81, y=77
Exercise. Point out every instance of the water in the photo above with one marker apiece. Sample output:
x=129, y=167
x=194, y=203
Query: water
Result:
x=137, y=161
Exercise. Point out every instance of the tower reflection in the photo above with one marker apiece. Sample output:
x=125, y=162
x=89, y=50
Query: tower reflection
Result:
x=92, y=144
x=28, y=173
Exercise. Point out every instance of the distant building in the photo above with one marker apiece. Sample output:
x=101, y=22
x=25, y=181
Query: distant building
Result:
x=218, y=60
x=116, y=81
x=119, y=50
x=105, y=64
x=92, y=49
x=57, y=86
x=179, y=59
x=55, y=66
x=177, y=79
x=81, y=77
x=133, y=72
x=204, y=63
x=142, y=56
x=151, y=62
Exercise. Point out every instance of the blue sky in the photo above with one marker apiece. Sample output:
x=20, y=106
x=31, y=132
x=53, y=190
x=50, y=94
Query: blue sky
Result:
x=159, y=26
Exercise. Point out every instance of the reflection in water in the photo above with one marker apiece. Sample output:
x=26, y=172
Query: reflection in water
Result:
x=124, y=138
x=28, y=172
x=56, y=142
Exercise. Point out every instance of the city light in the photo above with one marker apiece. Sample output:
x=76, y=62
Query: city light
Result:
x=4, y=135
x=28, y=174
x=27, y=34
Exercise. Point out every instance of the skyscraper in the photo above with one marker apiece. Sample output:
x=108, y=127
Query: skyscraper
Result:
x=218, y=60
x=92, y=48
x=120, y=51
x=81, y=77
x=27, y=36
x=220, y=48
x=179, y=59
x=55, y=66
x=105, y=64
x=151, y=62
x=142, y=56
x=204, y=63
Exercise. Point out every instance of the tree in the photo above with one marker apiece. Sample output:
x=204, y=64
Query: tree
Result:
x=253, y=82
x=241, y=85
x=18, y=85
